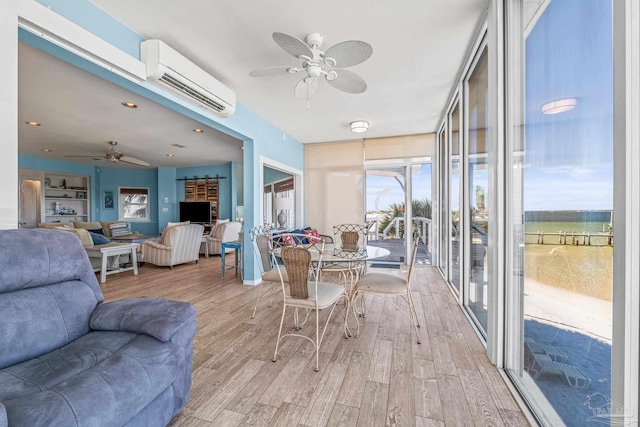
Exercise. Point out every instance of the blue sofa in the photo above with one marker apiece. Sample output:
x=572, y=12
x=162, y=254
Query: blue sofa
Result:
x=67, y=358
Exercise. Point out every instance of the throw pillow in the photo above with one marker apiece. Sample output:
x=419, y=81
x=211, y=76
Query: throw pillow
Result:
x=98, y=238
x=120, y=229
x=313, y=234
x=97, y=231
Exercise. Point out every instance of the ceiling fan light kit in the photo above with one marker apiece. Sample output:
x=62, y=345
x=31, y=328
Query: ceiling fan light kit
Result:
x=359, y=126
x=317, y=63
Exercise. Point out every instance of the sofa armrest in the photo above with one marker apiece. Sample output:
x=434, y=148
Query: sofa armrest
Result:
x=156, y=245
x=159, y=318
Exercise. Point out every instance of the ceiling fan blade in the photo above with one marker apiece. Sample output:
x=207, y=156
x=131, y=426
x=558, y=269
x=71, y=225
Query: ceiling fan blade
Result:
x=293, y=45
x=348, y=81
x=349, y=53
x=93, y=157
x=133, y=161
x=306, y=88
x=272, y=71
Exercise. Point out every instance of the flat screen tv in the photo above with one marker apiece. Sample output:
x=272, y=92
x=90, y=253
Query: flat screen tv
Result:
x=198, y=212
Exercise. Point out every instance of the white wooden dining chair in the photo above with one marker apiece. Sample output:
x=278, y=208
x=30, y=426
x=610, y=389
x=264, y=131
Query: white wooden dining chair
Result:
x=297, y=254
x=388, y=284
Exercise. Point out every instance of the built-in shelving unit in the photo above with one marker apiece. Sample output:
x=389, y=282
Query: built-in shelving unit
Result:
x=66, y=197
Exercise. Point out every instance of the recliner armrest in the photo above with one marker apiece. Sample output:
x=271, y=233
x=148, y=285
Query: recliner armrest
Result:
x=3, y=416
x=159, y=318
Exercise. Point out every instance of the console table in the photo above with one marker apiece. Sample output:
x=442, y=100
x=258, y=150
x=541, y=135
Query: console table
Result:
x=115, y=250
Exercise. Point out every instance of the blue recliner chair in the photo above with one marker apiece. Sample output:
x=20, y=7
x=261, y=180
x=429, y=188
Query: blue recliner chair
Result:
x=67, y=358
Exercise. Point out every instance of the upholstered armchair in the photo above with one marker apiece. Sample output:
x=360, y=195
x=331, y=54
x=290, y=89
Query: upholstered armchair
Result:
x=225, y=232
x=178, y=244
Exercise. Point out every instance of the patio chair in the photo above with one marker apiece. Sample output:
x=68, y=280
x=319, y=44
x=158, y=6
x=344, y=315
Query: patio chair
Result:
x=297, y=254
x=388, y=284
x=543, y=364
x=260, y=237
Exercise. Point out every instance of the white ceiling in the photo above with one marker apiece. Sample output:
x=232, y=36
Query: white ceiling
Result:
x=80, y=112
x=418, y=49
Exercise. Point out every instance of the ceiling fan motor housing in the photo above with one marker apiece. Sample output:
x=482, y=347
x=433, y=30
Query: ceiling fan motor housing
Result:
x=314, y=40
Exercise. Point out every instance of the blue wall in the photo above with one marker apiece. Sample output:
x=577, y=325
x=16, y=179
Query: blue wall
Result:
x=111, y=179
x=260, y=137
x=167, y=197
x=224, y=185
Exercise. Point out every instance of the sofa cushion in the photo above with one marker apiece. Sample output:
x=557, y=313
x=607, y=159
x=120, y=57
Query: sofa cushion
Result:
x=82, y=234
x=97, y=231
x=87, y=225
x=57, y=287
x=116, y=388
x=98, y=238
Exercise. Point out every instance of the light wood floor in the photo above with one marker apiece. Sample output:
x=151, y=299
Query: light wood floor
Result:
x=383, y=377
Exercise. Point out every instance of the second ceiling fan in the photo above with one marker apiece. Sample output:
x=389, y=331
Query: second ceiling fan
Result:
x=317, y=63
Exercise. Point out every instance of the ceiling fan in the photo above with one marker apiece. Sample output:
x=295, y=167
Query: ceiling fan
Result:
x=316, y=63
x=114, y=156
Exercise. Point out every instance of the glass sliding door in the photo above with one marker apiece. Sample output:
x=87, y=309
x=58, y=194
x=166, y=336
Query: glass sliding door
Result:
x=421, y=205
x=478, y=189
x=385, y=207
x=443, y=209
x=562, y=210
x=455, y=241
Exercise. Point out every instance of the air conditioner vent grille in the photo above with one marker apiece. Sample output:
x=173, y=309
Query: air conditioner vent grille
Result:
x=181, y=87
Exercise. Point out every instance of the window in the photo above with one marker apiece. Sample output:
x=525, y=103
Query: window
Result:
x=134, y=204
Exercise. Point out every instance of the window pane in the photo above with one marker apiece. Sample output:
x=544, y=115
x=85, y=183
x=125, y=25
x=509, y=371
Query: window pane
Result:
x=563, y=198
x=479, y=192
x=454, y=198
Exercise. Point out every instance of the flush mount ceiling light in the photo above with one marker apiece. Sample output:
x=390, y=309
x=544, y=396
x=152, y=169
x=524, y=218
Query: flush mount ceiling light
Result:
x=196, y=130
x=128, y=104
x=359, y=126
x=559, y=106
x=30, y=123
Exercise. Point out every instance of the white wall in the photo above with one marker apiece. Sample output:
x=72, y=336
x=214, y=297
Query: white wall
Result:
x=9, y=115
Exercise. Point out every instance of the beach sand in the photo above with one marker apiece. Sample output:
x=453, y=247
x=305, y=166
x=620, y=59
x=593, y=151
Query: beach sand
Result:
x=567, y=309
x=586, y=270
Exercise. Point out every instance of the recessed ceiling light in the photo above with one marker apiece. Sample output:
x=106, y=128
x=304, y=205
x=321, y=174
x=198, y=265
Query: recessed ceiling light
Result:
x=46, y=150
x=171, y=155
x=128, y=105
x=33, y=123
x=197, y=130
x=359, y=126
x=242, y=148
x=559, y=106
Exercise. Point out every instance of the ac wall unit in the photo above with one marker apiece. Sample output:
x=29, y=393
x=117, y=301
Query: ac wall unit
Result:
x=169, y=69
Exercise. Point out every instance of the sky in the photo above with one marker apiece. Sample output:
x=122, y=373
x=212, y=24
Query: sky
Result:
x=568, y=162
x=385, y=190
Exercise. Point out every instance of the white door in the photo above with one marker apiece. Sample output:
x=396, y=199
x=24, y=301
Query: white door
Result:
x=29, y=206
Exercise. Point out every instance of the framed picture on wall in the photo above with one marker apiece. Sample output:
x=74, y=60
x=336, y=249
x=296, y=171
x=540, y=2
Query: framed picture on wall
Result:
x=107, y=199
